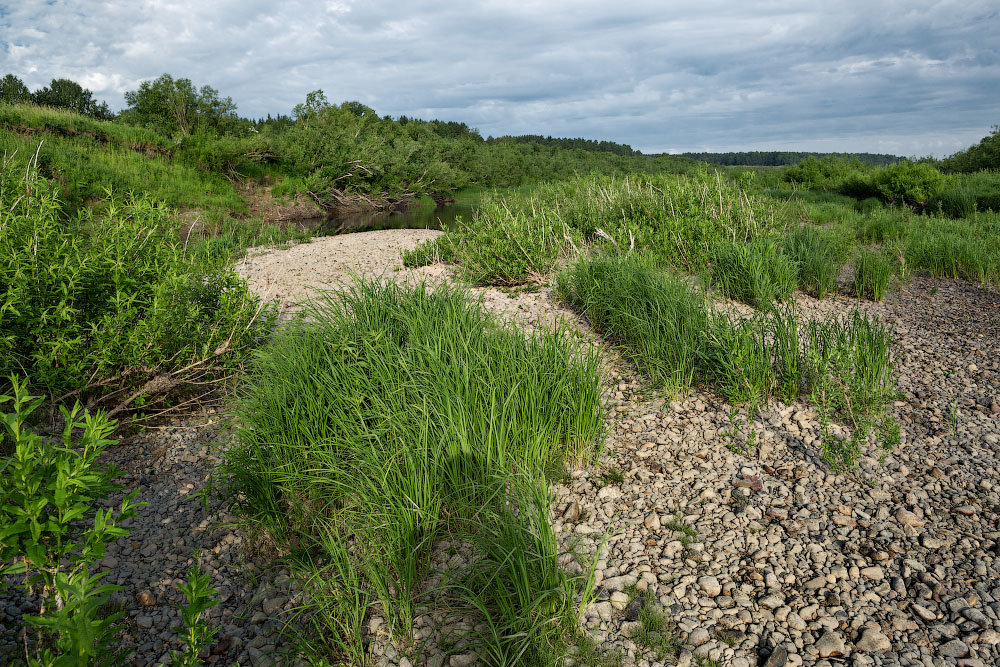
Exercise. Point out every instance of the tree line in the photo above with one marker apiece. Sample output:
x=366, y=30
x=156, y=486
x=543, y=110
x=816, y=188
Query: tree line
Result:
x=784, y=158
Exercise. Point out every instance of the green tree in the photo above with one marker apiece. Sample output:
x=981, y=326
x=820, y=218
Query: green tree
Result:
x=13, y=90
x=176, y=106
x=68, y=94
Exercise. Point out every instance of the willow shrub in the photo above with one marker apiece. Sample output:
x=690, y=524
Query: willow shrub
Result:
x=107, y=299
x=391, y=417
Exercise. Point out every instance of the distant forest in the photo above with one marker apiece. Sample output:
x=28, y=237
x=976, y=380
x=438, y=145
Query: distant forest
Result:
x=577, y=143
x=783, y=158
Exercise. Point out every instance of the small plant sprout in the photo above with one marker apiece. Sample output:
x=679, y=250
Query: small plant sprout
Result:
x=195, y=631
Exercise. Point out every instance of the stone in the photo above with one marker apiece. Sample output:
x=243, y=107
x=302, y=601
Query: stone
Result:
x=652, y=522
x=873, y=573
x=778, y=657
x=989, y=637
x=771, y=602
x=145, y=598
x=698, y=637
x=610, y=492
x=873, y=641
x=144, y=622
x=710, y=586
x=908, y=518
x=831, y=644
x=925, y=614
x=572, y=513
x=955, y=648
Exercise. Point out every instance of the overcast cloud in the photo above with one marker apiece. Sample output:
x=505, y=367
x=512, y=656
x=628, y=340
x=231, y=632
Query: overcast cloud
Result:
x=901, y=76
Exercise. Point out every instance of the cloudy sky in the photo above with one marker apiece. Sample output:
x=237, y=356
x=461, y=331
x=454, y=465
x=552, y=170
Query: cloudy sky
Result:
x=898, y=76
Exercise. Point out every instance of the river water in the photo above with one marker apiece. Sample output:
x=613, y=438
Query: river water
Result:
x=414, y=217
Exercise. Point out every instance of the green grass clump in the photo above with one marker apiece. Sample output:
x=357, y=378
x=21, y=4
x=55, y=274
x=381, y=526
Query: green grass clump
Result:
x=391, y=418
x=755, y=273
x=818, y=257
x=507, y=243
x=964, y=249
x=843, y=365
x=656, y=317
x=873, y=272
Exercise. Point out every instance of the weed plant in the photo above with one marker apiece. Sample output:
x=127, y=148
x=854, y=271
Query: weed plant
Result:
x=391, y=417
x=754, y=272
x=54, y=531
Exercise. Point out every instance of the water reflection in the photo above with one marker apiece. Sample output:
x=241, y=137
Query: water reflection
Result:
x=417, y=217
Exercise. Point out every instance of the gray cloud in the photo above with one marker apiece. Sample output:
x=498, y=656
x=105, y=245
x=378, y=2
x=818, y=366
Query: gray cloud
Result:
x=903, y=76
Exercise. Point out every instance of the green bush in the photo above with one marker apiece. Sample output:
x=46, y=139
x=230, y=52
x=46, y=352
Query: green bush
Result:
x=755, y=273
x=910, y=183
x=389, y=418
x=973, y=192
x=105, y=301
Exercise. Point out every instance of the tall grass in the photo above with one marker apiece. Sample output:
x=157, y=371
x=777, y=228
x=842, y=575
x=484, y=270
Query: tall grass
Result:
x=843, y=365
x=392, y=417
x=818, y=256
x=655, y=316
x=873, y=272
x=754, y=272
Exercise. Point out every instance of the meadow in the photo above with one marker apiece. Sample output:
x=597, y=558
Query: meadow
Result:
x=388, y=419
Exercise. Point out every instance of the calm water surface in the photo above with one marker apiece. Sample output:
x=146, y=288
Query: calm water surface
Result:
x=416, y=217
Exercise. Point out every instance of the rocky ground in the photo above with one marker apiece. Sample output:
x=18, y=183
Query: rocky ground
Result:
x=758, y=555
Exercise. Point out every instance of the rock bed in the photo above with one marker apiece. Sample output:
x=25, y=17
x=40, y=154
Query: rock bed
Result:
x=895, y=564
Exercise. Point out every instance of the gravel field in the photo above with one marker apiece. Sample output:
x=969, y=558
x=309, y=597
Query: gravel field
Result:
x=762, y=557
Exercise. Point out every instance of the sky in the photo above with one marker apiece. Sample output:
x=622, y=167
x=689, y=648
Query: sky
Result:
x=906, y=77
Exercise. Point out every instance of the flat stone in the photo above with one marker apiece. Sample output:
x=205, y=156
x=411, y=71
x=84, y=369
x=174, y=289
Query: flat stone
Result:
x=698, y=637
x=908, y=518
x=771, y=602
x=956, y=648
x=923, y=613
x=778, y=657
x=874, y=573
x=710, y=586
x=873, y=641
x=831, y=644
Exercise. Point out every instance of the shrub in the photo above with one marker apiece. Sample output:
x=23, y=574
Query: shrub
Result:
x=755, y=272
x=98, y=303
x=909, y=183
x=817, y=255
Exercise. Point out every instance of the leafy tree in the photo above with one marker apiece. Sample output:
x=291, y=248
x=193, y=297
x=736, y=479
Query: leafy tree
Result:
x=67, y=94
x=13, y=90
x=984, y=155
x=176, y=106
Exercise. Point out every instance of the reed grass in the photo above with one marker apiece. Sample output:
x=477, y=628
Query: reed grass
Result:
x=392, y=417
x=755, y=272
